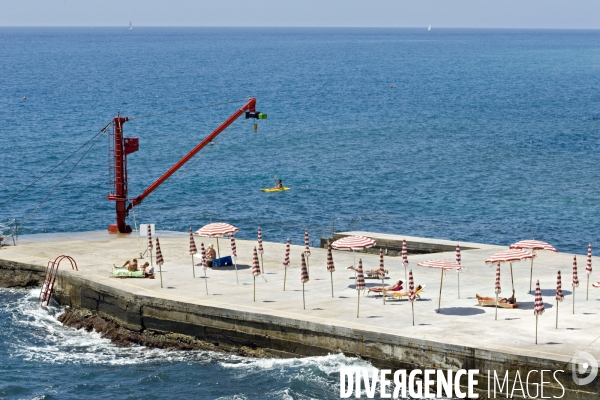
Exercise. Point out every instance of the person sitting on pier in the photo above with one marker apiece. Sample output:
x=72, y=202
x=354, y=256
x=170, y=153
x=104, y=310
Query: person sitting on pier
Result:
x=395, y=287
x=131, y=265
x=211, y=254
x=148, y=270
x=370, y=273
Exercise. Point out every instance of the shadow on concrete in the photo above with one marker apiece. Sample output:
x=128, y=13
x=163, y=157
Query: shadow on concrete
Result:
x=268, y=301
x=529, y=305
x=230, y=267
x=551, y=292
x=553, y=343
x=461, y=311
x=374, y=316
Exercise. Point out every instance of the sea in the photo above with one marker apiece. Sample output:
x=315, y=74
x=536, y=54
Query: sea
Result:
x=463, y=134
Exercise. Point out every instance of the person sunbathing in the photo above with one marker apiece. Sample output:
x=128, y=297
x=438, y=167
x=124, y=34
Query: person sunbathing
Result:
x=395, y=287
x=130, y=265
x=404, y=292
x=504, y=300
x=148, y=270
x=374, y=271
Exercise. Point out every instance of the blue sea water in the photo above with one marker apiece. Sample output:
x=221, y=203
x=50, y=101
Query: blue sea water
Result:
x=486, y=135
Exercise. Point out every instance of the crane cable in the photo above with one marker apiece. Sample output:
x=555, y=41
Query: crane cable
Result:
x=97, y=136
x=186, y=109
x=56, y=166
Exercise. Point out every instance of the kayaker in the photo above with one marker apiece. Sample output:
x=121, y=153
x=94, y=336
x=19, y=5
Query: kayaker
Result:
x=279, y=185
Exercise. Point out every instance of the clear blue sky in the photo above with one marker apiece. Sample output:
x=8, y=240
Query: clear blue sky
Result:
x=561, y=14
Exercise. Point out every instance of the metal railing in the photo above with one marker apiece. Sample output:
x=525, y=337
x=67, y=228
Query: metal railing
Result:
x=9, y=230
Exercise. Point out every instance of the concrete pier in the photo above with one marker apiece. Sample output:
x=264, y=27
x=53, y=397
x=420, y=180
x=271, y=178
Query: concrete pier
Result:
x=461, y=336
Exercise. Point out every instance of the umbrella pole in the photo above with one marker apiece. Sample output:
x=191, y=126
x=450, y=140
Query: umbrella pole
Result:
x=496, y=306
x=284, y=276
x=536, y=327
x=358, y=306
x=303, y=301
x=512, y=279
x=440, y=299
x=587, y=291
x=151, y=263
x=458, y=275
x=255, y=289
x=413, y=311
x=331, y=283
x=573, y=299
x=531, y=273
x=383, y=288
x=193, y=267
x=205, y=281
x=556, y=314
x=160, y=269
x=236, y=274
x=262, y=264
x=307, y=265
x=218, y=249
x=405, y=275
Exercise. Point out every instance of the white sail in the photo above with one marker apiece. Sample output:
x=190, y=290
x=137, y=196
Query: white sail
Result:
x=429, y=27
x=130, y=27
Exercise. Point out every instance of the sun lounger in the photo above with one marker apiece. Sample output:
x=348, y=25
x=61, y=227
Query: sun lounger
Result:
x=485, y=302
x=596, y=285
x=125, y=273
x=403, y=293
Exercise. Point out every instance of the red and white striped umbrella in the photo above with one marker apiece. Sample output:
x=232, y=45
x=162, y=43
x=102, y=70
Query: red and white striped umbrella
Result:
x=360, y=284
x=411, y=293
x=575, y=278
x=381, y=271
x=193, y=249
x=330, y=265
x=353, y=243
x=443, y=265
x=588, y=268
x=255, y=264
x=306, y=243
x=233, y=247
x=458, y=253
x=149, y=234
x=404, y=253
x=255, y=269
x=497, y=288
x=538, y=308
x=159, y=260
x=360, y=277
x=203, y=255
x=260, y=246
x=286, y=259
x=532, y=245
x=303, y=270
x=216, y=229
x=559, y=293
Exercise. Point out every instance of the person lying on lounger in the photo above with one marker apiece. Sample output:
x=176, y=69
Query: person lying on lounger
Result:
x=395, y=287
x=370, y=272
x=510, y=300
x=130, y=265
x=148, y=270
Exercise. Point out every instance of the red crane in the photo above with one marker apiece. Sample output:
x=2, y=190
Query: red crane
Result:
x=122, y=146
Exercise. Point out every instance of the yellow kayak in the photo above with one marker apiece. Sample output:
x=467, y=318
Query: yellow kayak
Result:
x=269, y=190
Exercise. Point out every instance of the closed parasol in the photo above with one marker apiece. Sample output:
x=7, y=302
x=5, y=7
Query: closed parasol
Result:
x=360, y=284
x=538, y=308
x=303, y=277
x=159, y=260
x=330, y=266
x=559, y=294
x=193, y=250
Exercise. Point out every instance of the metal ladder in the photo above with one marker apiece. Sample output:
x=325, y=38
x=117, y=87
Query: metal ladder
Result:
x=50, y=278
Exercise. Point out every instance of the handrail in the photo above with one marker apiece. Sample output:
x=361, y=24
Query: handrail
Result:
x=332, y=224
x=353, y=223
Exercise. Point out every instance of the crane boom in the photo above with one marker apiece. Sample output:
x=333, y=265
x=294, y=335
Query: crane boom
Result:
x=121, y=150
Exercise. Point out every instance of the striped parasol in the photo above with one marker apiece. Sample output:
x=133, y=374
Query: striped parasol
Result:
x=330, y=266
x=193, y=250
x=575, y=282
x=497, y=288
x=149, y=235
x=510, y=256
x=360, y=284
x=538, y=308
x=533, y=246
x=411, y=293
x=217, y=230
x=588, y=270
x=381, y=273
x=303, y=277
x=559, y=294
x=306, y=243
x=260, y=244
x=255, y=269
x=234, y=254
x=286, y=261
x=353, y=243
x=443, y=265
x=458, y=262
x=404, y=256
x=204, y=265
x=159, y=260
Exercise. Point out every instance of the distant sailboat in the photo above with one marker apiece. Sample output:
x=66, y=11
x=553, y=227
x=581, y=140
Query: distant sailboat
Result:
x=131, y=27
x=427, y=28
